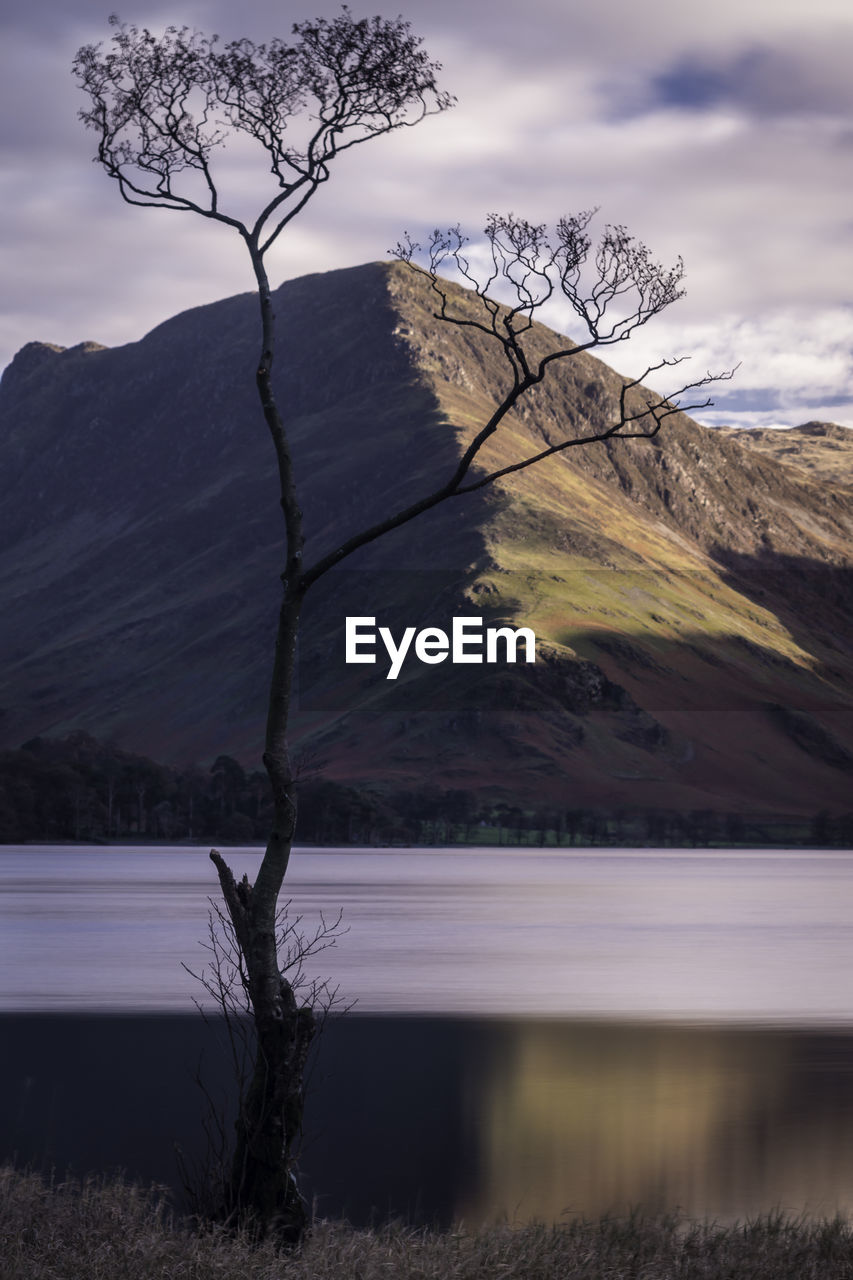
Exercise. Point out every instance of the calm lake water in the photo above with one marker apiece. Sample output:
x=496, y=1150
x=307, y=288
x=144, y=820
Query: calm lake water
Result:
x=584, y=1030
x=725, y=936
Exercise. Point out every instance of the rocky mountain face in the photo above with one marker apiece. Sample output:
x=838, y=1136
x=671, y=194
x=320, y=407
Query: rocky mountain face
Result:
x=822, y=449
x=689, y=594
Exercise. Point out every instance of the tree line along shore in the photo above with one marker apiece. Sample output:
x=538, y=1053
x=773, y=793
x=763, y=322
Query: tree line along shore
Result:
x=77, y=788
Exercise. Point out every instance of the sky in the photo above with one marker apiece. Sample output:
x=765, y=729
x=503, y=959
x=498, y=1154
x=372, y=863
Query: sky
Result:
x=722, y=133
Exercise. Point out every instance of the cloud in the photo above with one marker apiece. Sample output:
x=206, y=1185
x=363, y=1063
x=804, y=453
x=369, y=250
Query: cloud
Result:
x=812, y=78
x=793, y=365
x=724, y=139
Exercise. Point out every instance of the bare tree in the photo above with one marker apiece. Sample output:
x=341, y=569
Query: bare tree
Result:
x=161, y=108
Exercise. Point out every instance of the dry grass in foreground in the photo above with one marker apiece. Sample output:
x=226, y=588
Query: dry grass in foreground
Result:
x=98, y=1230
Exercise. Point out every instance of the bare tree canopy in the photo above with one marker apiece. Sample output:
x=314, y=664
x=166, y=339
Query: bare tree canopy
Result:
x=616, y=292
x=622, y=289
x=162, y=106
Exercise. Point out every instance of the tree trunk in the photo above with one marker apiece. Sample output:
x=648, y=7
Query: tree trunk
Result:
x=263, y=1191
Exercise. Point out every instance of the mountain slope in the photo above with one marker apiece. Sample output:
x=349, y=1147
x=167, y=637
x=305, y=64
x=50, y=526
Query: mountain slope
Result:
x=688, y=593
x=822, y=449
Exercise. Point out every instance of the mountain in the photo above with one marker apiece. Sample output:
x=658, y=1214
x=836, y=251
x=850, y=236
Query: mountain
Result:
x=822, y=449
x=690, y=594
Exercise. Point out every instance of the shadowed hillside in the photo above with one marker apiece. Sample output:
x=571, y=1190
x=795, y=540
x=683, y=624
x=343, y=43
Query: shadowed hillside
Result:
x=690, y=594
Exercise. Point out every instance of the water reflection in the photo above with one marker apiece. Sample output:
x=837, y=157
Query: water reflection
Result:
x=441, y=1119
x=437, y=1117
x=722, y=1122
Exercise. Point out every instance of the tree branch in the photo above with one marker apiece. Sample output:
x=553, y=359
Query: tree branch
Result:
x=527, y=265
x=657, y=411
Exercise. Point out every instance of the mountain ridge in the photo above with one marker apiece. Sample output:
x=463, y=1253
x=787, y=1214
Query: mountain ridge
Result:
x=681, y=588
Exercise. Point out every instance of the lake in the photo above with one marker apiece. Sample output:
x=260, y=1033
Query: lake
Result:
x=723, y=936
x=536, y=1031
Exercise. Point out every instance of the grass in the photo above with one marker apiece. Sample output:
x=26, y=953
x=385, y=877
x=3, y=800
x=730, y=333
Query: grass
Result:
x=110, y=1230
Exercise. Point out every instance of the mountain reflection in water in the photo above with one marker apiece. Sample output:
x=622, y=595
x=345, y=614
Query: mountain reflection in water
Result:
x=720, y=1122
x=441, y=1119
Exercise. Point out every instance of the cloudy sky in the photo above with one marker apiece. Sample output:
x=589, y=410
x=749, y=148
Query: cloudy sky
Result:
x=721, y=132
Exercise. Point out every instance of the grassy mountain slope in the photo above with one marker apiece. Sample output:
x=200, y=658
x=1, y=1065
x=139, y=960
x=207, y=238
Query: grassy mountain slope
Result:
x=688, y=593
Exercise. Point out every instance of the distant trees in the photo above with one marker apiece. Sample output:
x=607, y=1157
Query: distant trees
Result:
x=76, y=788
x=163, y=109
